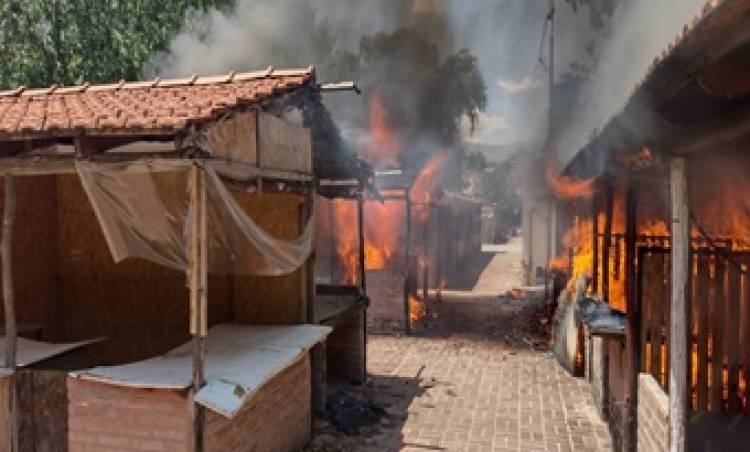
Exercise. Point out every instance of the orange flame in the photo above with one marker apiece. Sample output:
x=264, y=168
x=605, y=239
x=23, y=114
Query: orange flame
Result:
x=345, y=217
x=567, y=188
x=384, y=149
x=429, y=179
x=383, y=227
x=417, y=310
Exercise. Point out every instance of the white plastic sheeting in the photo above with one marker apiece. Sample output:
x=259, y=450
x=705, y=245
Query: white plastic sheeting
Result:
x=30, y=352
x=143, y=210
x=239, y=360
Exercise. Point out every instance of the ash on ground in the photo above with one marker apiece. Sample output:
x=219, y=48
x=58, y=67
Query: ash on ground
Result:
x=348, y=414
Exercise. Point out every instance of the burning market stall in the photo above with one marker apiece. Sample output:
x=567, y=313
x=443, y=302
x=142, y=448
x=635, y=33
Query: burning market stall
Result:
x=341, y=290
x=201, y=190
x=667, y=247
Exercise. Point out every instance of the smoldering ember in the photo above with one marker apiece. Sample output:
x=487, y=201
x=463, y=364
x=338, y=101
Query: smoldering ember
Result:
x=375, y=225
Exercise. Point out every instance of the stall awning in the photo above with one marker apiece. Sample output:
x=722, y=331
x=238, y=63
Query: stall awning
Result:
x=239, y=360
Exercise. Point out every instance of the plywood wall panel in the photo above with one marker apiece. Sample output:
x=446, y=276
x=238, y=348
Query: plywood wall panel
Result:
x=270, y=299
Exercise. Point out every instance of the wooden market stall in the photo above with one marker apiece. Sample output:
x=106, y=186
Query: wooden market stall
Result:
x=197, y=334
x=670, y=242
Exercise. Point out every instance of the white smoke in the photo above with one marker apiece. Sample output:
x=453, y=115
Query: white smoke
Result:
x=642, y=29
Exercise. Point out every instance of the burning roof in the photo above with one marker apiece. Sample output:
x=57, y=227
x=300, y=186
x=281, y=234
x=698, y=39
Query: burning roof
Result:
x=696, y=79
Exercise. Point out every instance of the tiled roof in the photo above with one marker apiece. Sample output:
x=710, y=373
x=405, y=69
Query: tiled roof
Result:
x=145, y=107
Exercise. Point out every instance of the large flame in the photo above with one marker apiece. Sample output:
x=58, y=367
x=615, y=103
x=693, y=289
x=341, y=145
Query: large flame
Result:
x=430, y=178
x=567, y=188
x=383, y=231
x=384, y=148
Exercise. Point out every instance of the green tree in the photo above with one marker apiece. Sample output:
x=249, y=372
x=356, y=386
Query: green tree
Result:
x=74, y=41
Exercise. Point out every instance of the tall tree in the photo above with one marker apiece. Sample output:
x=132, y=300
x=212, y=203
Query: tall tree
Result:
x=71, y=41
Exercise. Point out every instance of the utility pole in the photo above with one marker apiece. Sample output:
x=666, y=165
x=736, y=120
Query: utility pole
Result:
x=550, y=134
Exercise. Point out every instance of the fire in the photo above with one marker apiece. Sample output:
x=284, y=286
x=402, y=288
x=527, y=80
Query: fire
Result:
x=344, y=216
x=383, y=224
x=417, y=310
x=384, y=149
x=578, y=240
x=430, y=178
x=567, y=188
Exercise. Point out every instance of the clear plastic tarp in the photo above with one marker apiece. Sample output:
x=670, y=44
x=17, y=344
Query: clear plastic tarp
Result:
x=143, y=209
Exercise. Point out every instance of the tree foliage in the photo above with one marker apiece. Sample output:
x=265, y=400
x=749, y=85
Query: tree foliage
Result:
x=74, y=41
x=426, y=94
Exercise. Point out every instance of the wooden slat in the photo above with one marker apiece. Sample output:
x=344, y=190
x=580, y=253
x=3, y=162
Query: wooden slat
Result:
x=745, y=310
x=658, y=302
x=717, y=322
x=678, y=323
x=667, y=319
x=9, y=212
x=701, y=296
x=645, y=309
x=731, y=341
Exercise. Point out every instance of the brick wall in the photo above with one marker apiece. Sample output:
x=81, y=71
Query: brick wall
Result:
x=278, y=419
x=346, y=349
x=385, y=288
x=596, y=372
x=653, y=415
x=104, y=417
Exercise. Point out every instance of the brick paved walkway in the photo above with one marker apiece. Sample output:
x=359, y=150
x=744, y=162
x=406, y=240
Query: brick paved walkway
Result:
x=482, y=396
x=483, y=381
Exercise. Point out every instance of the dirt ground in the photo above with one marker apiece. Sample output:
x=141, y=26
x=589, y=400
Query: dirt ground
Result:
x=481, y=379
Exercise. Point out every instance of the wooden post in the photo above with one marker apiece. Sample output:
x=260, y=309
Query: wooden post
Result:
x=11, y=338
x=332, y=257
x=609, y=197
x=595, y=244
x=678, y=354
x=307, y=269
x=361, y=234
x=198, y=257
x=439, y=252
x=407, y=308
x=426, y=255
x=633, y=326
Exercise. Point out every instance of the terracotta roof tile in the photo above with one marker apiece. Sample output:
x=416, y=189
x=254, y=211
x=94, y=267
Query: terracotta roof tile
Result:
x=149, y=106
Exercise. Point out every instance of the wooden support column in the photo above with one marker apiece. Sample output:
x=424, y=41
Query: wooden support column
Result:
x=607, y=242
x=361, y=236
x=307, y=269
x=11, y=336
x=407, y=268
x=595, y=243
x=633, y=326
x=198, y=263
x=678, y=355
x=439, y=252
x=426, y=255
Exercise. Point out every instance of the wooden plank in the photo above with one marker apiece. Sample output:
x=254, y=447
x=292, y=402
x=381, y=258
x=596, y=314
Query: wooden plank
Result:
x=655, y=289
x=361, y=240
x=235, y=138
x=407, y=268
x=196, y=308
x=607, y=241
x=702, y=300
x=633, y=326
x=645, y=308
x=746, y=335
x=679, y=261
x=11, y=337
x=595, y=243
x=284, y=146
x=717, y=323
x=668, y=311
x=732, y=331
